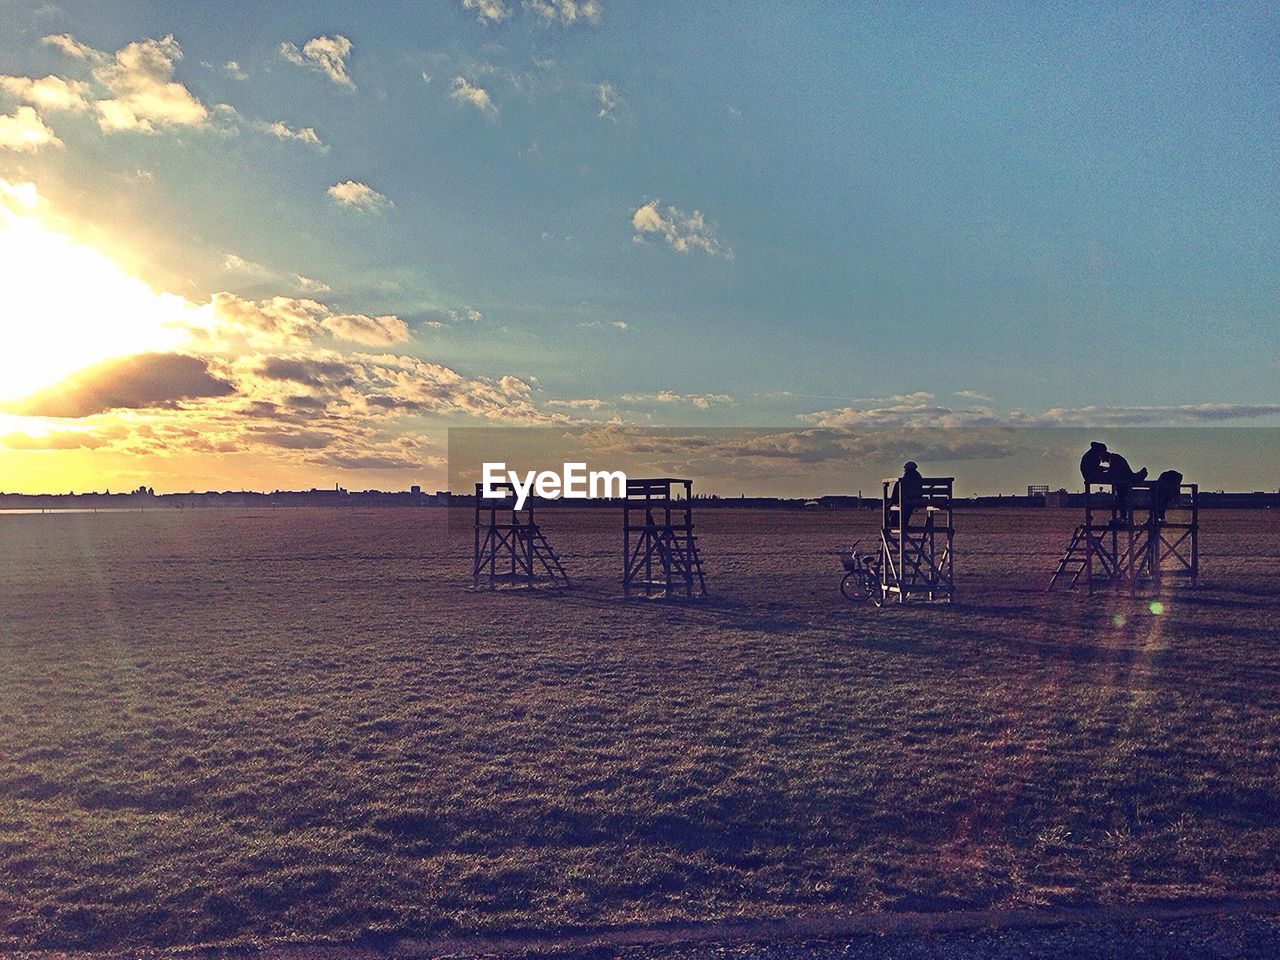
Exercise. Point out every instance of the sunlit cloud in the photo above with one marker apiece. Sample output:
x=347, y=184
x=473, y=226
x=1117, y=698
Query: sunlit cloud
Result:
x=73, y=47
x=701, y=401
x=132, y=90
x=920, y=410
x=463, y=91
x=23, y=131
x=683, y=232
x=328, y=55
x=118, y=367
x=33, y=439
x=566, y=11
x=360, y=196
x=488, y=11
x=161, y=380
x=51, y=327
x=305, y=135
x=238, y=264
x=280, y=321
x=308, y=285
x=609, y=99
x=580, y=403
x=49, y=94
x=145, y=93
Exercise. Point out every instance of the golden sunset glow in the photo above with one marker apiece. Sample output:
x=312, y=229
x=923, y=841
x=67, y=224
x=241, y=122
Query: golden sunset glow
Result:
x=65, y=305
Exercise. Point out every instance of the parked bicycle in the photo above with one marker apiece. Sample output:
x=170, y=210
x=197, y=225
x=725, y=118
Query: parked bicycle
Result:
x=861, y=581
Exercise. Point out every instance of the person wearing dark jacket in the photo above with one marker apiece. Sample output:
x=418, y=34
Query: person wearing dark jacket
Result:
x=911, y=487
x=1100, y=465
x=1094, y=463
x=1168, y=492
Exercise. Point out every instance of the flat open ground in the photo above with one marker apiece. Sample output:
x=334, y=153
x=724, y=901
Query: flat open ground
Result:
x=221, y=727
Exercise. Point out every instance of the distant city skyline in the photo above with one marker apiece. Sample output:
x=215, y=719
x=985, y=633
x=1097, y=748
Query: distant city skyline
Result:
x=265, y=246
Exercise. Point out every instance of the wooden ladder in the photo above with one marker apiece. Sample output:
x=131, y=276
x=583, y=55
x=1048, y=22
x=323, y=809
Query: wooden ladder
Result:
x=1075, y=561
x=679, y=558
x=545, y=553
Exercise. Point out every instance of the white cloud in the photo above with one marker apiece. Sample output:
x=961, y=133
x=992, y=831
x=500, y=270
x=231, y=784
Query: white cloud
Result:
x=234, y=71
x=609, y=100
x=308, y=285
x=47, y=93
x=145, y=93
x=73, y=47
x=18, y=196
x=566, y=11
x=287, y=321
x=360, y=196
x=703, y=401
x=25, y=132
x=683, y=232
x=132, y=90
x=238, y=264
x=373, y=331
x=305, y=135
x=325, y=54
x=463, y=91
x=584, y=403
x=487, y=11
x=920, y=410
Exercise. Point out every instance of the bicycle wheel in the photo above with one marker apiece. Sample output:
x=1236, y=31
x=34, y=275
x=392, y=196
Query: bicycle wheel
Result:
x=854, y=586
x=874, y=589
x=871, y=581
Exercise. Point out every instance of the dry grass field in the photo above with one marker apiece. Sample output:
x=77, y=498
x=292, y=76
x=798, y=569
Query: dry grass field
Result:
x=231, y=727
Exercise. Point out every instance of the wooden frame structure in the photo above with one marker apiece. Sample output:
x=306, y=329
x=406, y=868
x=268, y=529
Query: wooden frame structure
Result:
x=1128, y=550
x=917, y=561
x=510, y=548
x=659, y=548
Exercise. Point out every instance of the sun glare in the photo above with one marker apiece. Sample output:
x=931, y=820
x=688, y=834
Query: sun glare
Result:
x=65, y=305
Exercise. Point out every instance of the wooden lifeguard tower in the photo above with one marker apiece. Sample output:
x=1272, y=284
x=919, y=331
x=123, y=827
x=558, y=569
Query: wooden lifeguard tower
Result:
x=659, y=548
x=510, y=548
x=916, y=559
x=1126, y=550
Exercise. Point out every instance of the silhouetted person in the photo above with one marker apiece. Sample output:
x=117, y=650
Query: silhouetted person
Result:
x=1122, y=477
x=1100, y=465
x=1093, y=465
x=1168, y=492
x=911, y=485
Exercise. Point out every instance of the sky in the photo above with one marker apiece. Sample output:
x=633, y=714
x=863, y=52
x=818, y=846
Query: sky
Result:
x=250, y=245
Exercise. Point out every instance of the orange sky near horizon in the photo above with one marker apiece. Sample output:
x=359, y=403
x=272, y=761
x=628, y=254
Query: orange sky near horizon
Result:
x=120, y=385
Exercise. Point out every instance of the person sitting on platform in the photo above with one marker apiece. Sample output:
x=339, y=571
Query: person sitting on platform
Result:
x=1093, y=465
x=1122, y=477
x=1168, y=492
x=1100, y=465
x=911, y=485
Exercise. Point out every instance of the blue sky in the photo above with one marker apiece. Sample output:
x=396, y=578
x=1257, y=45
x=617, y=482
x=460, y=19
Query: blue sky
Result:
x=1013, y=208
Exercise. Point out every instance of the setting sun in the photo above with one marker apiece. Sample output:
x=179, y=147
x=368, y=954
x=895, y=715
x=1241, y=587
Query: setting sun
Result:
x=65, y=305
